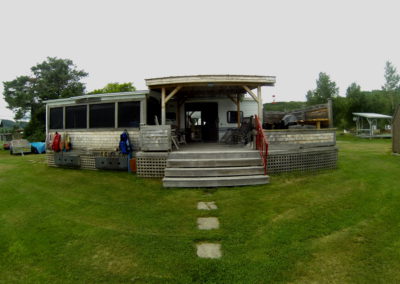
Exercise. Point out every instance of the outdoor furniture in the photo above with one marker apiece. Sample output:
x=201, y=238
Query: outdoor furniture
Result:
x=241, y=135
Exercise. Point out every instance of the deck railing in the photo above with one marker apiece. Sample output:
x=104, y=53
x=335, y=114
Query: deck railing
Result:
x=261, y=143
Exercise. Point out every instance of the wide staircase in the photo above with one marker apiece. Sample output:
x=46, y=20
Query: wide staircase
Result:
x=214, y=169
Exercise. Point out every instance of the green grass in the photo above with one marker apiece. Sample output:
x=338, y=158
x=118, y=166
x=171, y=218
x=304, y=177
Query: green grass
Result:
x=69, y=226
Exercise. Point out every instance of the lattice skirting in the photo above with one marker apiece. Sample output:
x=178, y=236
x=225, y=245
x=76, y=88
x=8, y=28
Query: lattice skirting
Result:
x=303, y=160
x=151, y=164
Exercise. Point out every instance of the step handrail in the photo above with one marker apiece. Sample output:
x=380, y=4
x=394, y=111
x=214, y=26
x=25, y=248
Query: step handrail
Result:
x=261, y=143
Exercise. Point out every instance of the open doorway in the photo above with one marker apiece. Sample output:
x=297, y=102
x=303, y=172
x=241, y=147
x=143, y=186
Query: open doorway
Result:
x=201, y=122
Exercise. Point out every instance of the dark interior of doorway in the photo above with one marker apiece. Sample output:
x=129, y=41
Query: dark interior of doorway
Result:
x=201, y=122
x=153, y=111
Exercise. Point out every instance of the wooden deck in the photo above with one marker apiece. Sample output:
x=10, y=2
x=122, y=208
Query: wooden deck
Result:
x=206, y=147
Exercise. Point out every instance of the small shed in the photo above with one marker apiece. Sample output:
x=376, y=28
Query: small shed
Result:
x=367, y=124
x=396, y=131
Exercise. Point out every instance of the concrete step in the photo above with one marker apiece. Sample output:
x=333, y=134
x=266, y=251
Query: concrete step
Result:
x=210, y=163
x=215, y=181
x=214, y=172
x=214, y=154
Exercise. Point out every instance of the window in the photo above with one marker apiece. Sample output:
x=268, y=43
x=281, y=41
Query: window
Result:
x=129, y=114
x=56, y=118
x=75, y=117
x=102, y=115
x=232, y=116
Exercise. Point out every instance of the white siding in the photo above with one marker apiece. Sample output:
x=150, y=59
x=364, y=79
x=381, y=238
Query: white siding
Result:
x=105, y=140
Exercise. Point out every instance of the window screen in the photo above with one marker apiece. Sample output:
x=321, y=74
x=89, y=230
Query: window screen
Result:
x=75, y=117
x=102, y=115
x=56, y=118
x=129, y=114
x=232, y=116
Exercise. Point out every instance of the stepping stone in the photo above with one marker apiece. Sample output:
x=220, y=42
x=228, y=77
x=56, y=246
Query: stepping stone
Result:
x=207, y=223
x=208, y=250
x=206, y=205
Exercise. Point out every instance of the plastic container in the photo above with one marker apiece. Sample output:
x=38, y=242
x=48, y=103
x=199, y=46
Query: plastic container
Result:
x=132, y=163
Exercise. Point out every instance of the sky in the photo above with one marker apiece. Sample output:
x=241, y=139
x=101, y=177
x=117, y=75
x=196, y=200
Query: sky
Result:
x=129, y=40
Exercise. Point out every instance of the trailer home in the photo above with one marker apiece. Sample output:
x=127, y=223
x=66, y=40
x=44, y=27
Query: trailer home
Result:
x=192, y=131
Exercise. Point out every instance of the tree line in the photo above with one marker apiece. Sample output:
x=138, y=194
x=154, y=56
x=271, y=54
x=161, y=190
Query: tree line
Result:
x=54, y=78
x=382, y=101
x=57, y=78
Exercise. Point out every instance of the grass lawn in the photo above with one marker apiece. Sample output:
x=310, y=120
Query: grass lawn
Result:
x=69, y=226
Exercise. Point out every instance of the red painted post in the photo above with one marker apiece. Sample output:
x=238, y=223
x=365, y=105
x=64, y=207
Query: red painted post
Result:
x=261, y=143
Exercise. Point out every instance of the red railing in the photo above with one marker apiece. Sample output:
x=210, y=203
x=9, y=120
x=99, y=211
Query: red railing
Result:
x=261, y=143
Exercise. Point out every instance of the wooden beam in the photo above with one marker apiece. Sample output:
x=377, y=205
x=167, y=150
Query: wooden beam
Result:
x=163, y=113
x=251, y=93
x=232, y=99
x=260, y=105
x=172, y=93
x=238, y=110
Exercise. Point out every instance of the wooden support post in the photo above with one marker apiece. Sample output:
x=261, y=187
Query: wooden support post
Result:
x=238, y=110
x=47, y=121
x=64, y=118
x=232, y=99
x=178, y=115
x=115, y=115
x=318, y=124
x=260, y=105
x=163, y=113
x=87, y=116
x=143, y=112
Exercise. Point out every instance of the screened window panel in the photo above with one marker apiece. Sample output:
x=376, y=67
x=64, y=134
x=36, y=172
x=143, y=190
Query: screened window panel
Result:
x=129, y=114
x=56, y=118
x=75, y=117
x=232, y=116
x=102, y=115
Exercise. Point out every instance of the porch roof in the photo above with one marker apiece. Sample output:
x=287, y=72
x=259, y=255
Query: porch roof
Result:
x=93, y=98
x=211, y=84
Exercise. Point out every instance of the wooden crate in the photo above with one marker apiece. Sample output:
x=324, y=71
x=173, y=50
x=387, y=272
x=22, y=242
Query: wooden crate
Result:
x=155, y=138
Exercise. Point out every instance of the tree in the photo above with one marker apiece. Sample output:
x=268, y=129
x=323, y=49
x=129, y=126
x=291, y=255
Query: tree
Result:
x=392, y=79
x=325, y=90
x=54, y=78
x=115, y=88
x=356, y=102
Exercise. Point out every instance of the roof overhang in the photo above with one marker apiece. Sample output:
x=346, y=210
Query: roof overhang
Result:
x=108, y=97
x=211, y=84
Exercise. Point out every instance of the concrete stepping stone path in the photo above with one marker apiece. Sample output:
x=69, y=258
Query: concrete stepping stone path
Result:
x=206, y=249
x=206, y=206
x=209, y=250
x=207, y=223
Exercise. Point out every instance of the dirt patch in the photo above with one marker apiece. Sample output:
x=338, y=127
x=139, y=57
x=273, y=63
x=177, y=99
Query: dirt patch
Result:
x=113, y=260
x=332, y=258
x=286, y=215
